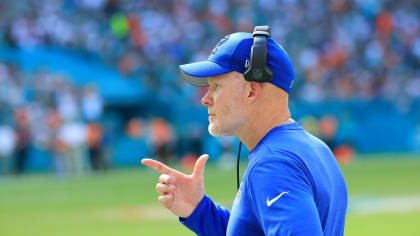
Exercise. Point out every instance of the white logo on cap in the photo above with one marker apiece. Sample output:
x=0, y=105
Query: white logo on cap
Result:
x=246, y=63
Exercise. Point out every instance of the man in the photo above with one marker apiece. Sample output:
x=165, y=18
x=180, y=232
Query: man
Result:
x=292, y=185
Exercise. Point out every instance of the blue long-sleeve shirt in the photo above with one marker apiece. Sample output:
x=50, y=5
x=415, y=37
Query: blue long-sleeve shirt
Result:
x=292, y=186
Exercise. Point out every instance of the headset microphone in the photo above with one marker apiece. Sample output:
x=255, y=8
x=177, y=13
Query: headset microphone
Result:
x=258, y=69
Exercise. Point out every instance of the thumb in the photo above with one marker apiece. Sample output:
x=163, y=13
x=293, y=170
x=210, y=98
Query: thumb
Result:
x=199, y=165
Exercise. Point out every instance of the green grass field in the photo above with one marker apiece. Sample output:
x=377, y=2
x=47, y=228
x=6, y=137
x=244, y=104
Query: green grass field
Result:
x=384, y=200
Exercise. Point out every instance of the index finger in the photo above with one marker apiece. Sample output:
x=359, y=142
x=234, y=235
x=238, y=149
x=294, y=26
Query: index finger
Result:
x=159, y=167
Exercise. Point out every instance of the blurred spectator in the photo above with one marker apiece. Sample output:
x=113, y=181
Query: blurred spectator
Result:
x=94, y=138
x=92, y=105
x=7, y=145
x=59, y=156
x=134, y=128
x=161, y=136
x=135, y=144
x=73, y=135
x=195, y=135
x=66, y=103
x=327, y=128
x=192, y=146
x=53, y=142
x=23, y=133
x=227, y=159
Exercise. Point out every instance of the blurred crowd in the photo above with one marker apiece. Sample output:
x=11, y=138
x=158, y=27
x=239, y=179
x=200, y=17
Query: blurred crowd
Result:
x=45, y=112
x=341, y=49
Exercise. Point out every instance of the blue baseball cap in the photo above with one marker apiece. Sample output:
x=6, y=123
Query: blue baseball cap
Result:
x=232, y=53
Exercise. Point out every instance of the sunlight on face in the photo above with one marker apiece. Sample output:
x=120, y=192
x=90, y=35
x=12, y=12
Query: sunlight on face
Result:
x=225, y=104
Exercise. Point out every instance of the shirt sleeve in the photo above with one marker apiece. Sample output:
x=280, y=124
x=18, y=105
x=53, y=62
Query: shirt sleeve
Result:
x=283, y=198
x=208, y=219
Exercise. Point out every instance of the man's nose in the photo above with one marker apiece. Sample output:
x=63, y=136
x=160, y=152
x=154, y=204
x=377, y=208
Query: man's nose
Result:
x=206, y=100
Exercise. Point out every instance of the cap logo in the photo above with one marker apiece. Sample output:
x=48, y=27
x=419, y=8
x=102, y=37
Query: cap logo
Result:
x=246, y=63
x=221, y=42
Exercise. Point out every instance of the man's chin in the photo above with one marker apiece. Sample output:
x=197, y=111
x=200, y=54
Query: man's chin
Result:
x=216, y=132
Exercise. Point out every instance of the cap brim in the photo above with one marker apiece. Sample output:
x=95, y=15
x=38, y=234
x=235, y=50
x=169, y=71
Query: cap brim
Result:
x=198, y=72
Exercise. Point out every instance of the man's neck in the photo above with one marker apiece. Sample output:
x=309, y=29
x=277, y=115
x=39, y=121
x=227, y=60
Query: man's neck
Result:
x=252, y=135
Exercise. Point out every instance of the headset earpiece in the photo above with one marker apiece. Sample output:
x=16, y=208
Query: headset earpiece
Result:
x=258, y=70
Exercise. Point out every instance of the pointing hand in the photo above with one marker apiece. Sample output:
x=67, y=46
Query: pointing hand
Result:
x=180, y=193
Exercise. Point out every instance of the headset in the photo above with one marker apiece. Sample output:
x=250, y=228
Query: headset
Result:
x=258, y=69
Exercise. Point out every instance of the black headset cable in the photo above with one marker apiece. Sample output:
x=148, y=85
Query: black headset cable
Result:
x=237, y=164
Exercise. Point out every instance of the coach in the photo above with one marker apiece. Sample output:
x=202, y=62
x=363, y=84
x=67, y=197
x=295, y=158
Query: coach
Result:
x=292, y=185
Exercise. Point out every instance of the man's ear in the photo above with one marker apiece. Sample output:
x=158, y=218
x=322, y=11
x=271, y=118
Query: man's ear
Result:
x=254, y=90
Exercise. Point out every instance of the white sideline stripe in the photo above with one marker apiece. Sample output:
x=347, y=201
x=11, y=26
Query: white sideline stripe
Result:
x=371, y=205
